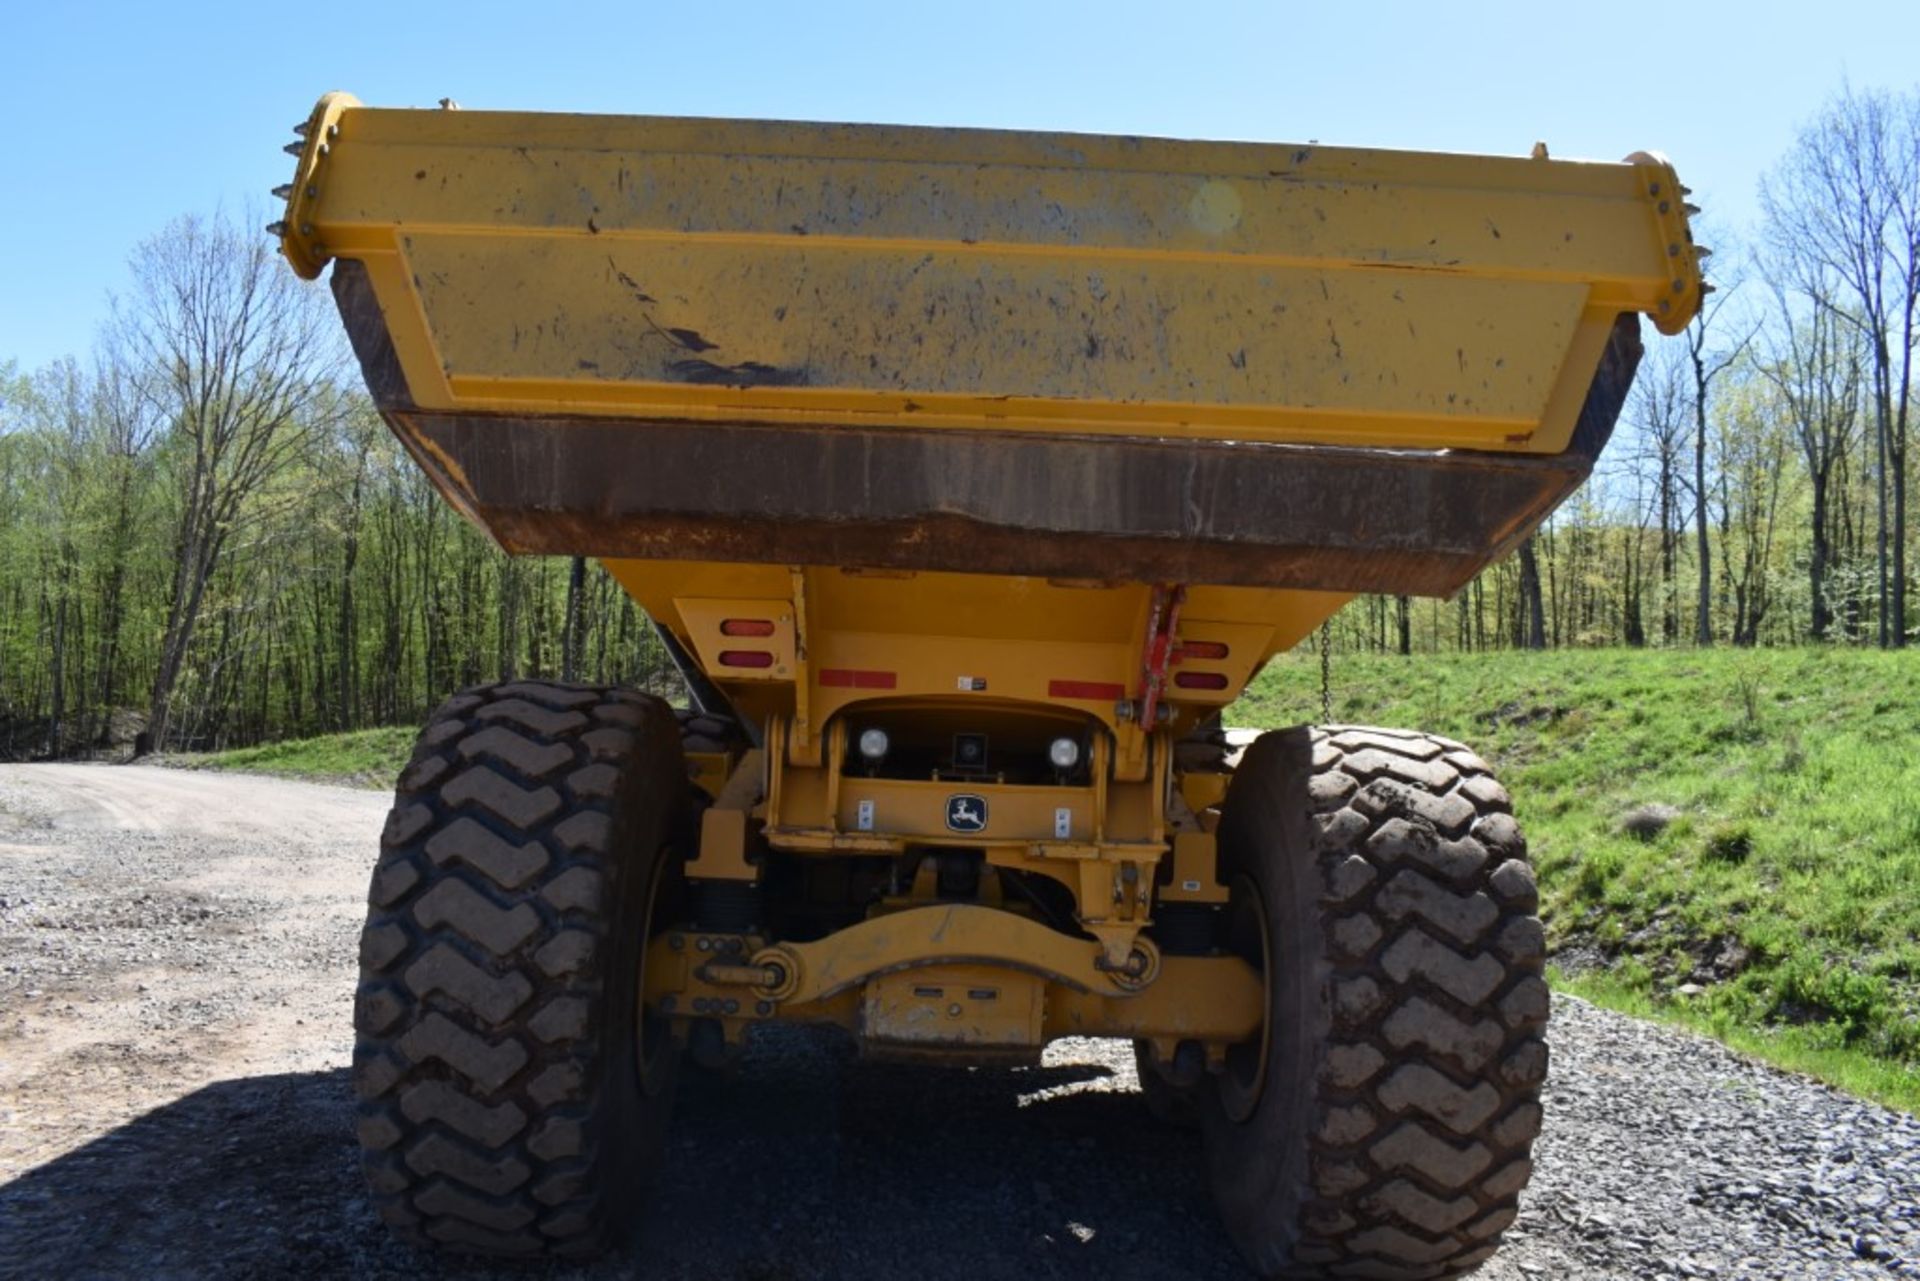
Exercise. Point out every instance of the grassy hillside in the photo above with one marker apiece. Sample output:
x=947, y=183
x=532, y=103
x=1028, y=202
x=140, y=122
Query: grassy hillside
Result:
x=363, y=758
x=1730, y=839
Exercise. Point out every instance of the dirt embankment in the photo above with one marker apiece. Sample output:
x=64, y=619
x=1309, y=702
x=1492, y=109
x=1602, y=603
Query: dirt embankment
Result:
x=177, y=954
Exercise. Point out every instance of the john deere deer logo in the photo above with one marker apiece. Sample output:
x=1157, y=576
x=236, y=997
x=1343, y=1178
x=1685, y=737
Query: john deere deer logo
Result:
x=966, y=813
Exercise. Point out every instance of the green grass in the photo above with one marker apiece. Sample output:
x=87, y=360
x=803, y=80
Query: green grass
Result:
x=1785, y=885
x=361, y=758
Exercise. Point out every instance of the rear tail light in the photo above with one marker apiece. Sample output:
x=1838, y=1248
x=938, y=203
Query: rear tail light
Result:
x=856, y=678
x=1105, y=691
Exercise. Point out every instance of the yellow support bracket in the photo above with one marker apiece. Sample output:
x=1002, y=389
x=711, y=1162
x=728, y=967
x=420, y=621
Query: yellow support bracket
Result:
x=1218, y=1000
x=950, y=934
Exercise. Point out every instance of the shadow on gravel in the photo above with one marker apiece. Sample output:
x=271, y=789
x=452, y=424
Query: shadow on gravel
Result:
x=266, y=1163
x=803, y=1163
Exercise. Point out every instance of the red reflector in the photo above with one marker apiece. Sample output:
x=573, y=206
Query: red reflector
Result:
x=1212, y=651
x=745, y=658
x=746, y=627
x=856, y=678
x=1200, y=680
x=1103, y=690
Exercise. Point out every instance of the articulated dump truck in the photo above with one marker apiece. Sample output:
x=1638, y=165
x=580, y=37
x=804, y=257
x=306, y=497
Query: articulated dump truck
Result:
x=968, y=476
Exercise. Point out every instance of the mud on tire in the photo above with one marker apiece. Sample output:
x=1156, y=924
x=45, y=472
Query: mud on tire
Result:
x=505, y=1103
x=1391, y=1132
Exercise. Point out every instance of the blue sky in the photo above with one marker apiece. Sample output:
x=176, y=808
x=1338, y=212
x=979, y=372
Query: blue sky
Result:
x=118, y=117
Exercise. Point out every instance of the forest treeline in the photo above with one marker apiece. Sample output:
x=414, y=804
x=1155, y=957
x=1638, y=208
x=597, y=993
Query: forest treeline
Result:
x=208, y=537
x=206, y=533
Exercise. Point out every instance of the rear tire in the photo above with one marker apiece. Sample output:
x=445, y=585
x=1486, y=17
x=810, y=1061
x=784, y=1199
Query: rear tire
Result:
x=1166, y=1102
x=704, y=732
x=1379, y=879
x=513, y=1095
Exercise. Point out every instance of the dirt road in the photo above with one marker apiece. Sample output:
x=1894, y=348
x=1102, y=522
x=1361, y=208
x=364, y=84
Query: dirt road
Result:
x=177, y=955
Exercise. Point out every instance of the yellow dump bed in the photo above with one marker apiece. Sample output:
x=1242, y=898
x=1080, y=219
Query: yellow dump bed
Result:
x=1284, y=366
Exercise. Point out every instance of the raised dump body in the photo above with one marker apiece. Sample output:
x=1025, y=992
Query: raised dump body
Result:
x=972, y=474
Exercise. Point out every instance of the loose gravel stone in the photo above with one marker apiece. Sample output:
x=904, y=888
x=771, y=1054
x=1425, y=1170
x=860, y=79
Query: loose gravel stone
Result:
x=1666, y=1154
x=177, y=954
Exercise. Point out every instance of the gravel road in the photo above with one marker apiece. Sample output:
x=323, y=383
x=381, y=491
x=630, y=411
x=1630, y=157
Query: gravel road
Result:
x=177, y=956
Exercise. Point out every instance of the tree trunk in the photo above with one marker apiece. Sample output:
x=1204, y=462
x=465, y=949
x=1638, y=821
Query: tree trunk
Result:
x=347, y=670
x=1882, y=428
x=1669, y=554
x=570, y=625
x=1532, y=607
x=1817, y=562
x=1703, y=613
x=57, y=661
x=1898, y=610
x=182, y=607
x=1632, y=623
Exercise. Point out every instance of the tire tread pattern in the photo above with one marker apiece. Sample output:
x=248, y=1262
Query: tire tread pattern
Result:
x=1429, y=1090
x=488, y=897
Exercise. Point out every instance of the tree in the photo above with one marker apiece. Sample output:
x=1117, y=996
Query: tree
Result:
x=1752, y=443
x=1661, y=413
x=1846, y=201
x=61, y=404
x=241, y=364
x=1707, y=362
x=1815, y=369
x=123, y=465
